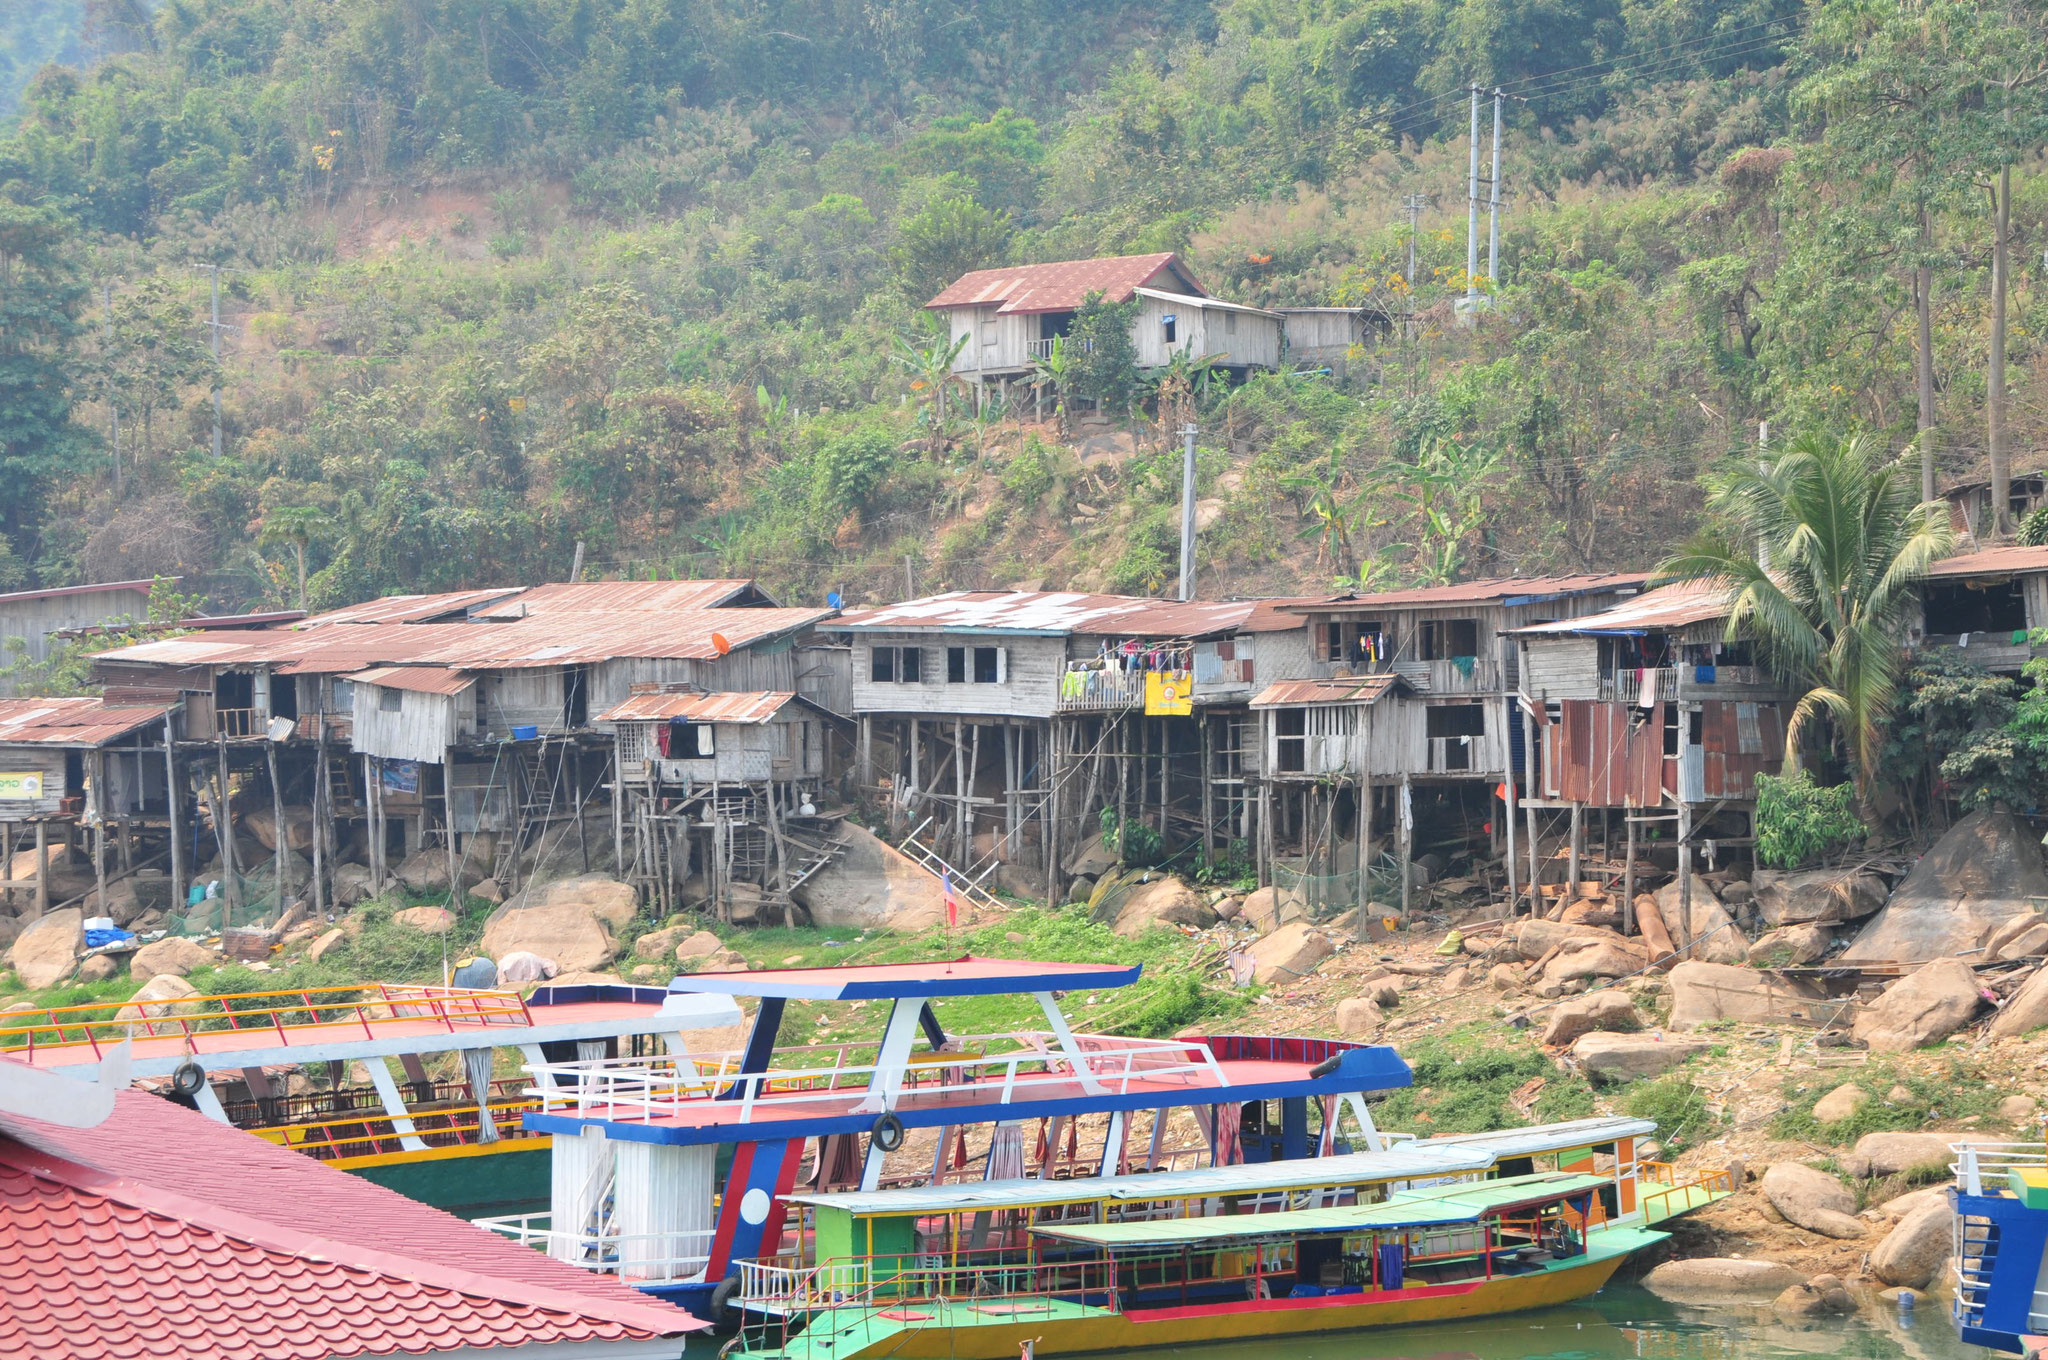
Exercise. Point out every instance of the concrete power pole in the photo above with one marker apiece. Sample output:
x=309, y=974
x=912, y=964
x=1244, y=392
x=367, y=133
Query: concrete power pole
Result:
x=1187, y=513
x=1415, y=202
x=113, y=404
x=1472, y=210
x=214, y=271
x=1493, y=203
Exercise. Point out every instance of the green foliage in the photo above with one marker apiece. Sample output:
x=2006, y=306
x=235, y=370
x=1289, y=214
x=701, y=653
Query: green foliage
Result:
x=1961, y=1089
x=1465, y=1079
x=1107, y=360
x=1952, y=709
x=1679, y=1108
x=1133, y=842
x=1799, y=821
x=945, y=239
x=40, y=299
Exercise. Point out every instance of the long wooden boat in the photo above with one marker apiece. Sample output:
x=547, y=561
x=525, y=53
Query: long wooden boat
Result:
x=900, y=1275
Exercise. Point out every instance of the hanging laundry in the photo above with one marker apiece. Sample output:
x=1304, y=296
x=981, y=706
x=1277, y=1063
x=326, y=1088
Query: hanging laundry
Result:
x=1703, y=675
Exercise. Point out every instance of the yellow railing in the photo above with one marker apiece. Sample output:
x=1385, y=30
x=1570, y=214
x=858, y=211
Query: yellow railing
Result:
x=1677, y=1182
x=368, y=1135
x=272, y=1015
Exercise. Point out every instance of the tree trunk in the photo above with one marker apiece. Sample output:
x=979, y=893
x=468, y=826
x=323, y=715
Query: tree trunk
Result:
x=2001, y=264
x=1923, y=360
x=299, y=550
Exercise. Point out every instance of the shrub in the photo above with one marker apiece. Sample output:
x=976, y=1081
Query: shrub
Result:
x=1798, y=821
x=1678, y=1108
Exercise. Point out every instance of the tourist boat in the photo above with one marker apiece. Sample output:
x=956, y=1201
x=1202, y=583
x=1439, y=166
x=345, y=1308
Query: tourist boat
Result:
x=680, y=1182
x=1645, y=1192
x=451, y=1138
x=1224, y=1253
x=2000, y=1245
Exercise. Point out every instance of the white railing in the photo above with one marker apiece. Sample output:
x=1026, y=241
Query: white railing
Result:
x=633, y=1256
x=767, y=1287
x=1085, y=687
x=1977, y=1161
x=628, y=1087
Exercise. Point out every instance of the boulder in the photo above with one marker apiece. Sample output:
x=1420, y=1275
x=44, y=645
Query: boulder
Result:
x=1789, y=947
x=1709, y=930
x=426, y=920
x=1888, y=1154
x=564, y=921
x=872, y=885
x=1358, y=1017
x=490, y=890
x=1092, y=858
x=745, y=904
x=522, y=967
x=1702, y=993
x=126, y=899
x=351, y=884
x=1595, y=958
x=1267, y=909
x=47, y=950
x=2017, y=1109
x=1812, y=1199
x=701, y=944
x=1504, y=977
x=325, y=945
x=1914, y=1253
x=1158, y=901
x=1709, y=1279
x=563, y=850
x=157, y=999
x=1816, y=896
x=1607, y=1010
x=173, y=955
x=262, y=823
x=1291, y=952
x=1822, y=1296
x=1631, y=1057
x=2026, y=1010
x=1534, y=939
x=1984, y=872
x=1924, y=1007
x=2019, y=938
x=1844, y=1102
x=424, y=871
x=586, y=978
x=99, y=968
x=661, y=944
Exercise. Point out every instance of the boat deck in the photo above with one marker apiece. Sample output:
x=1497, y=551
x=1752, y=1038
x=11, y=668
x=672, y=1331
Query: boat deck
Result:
x=700, y=1116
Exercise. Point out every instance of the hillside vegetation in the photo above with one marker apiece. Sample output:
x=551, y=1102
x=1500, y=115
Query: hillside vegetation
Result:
x=500, y=276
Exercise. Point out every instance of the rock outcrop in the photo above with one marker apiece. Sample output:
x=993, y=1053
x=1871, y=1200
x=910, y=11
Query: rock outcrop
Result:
x=1710, y=1279
x=173, y=954
x=2026, y=1010
x=1632, y=1057
x=1702, y=993
x=1790, y=946
x=1986, y=870
x=158, y=998
x=1291, y=952
x=1888, y=1154
x=1925, y=1006
x=1149, y=900
x=568, y=921
x=1709, y=930
x=872, y=885
x=426, y=920
x=1816, y=896
x=1812, y=1199
x=47, y=951
x=1608, y=1010
x=1914, y=1253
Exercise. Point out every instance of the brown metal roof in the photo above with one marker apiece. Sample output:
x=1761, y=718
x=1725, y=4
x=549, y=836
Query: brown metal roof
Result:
x=411, y=608
x=2003, y=561
x=1494, y=590
x=749, y=707
x=1345, y=689
x=1064, y=285
x=1672, y=606
x=55, y=591
x=546, y=639
x=417, y=679
x=575, y=597
x=69, y=722
x=1074, y=613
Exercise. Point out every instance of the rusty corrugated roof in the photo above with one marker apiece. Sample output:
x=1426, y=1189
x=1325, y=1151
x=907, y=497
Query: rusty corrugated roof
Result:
x=577, y=597
x=1064, y=285
x=745, y=707
x=1344, y=689
x=1672, y=606
x=411, y=608
x=1493, y=590
x=15, y=597
x=69, y=722
x=417, y=679
x=2011, y=559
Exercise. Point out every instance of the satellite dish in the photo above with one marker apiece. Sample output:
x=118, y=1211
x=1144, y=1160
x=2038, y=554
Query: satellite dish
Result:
x=60, y=1098
x=833, y=601
x=720, y=643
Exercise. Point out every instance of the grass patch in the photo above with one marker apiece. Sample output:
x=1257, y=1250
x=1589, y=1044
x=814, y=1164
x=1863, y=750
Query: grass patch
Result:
x=1463, y=1081
x=1958, y=1091
x=1677, y=1106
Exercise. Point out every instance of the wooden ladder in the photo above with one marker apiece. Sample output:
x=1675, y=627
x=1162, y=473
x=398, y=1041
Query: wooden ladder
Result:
x=967, y=889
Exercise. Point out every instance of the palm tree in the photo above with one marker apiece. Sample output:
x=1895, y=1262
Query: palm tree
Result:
x=299, y=526
x=1832, y=540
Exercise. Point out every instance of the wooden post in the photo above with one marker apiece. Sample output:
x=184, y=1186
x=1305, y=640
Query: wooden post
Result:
x=1123, y=786
x=1208, y=791
x=171, y=815
x=448, y=816
x=618, y=807
x=1050, y=826
x=224, y=829
x=1628, y=875
x=1578, y=834
x=1535, y=867
x=960, y=814
x=1681, y=933
x=99, y=828
x=322, y=806
x=1363, y=794
x=867, y=752
x=1404, y=814
x=277, y=816
x=916, y=789
x=1508, y=785
x=370, y=829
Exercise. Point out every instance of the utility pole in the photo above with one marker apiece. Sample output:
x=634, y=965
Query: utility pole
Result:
x=1187, y=512
x=1472, y=210
x=1493, y=202
x=909, y=579
x=1763, y=464
x=576, y=567
x=216, y=275
x=1415, y=202
x=113, y=403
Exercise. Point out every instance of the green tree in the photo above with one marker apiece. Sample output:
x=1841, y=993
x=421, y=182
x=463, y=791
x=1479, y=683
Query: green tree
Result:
x=1000, y=155
x=41, y=295
x=297, y=527
x=150, y=352
x=945, y=239
x=1106, y=358
x=1826, y=548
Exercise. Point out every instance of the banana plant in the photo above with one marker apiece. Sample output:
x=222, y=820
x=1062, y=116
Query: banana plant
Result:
x=931, y=370
x=1057, y=369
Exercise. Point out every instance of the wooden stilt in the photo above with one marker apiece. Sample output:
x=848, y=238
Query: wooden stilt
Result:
x=1535, y=868
x=170, y=815
x=1509, y=825
x=1404, y=814
x=1208, y=792
x=1628, y=876
x=283, y=847
x=1049, y=827
x=1362, y=848
x=1123, y=786
x=960, y=813
x=1571, y=891
x=322, y=806
x=1681, y=931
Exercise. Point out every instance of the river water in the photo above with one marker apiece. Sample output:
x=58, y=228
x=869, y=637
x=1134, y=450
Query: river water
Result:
x=1624, y=1322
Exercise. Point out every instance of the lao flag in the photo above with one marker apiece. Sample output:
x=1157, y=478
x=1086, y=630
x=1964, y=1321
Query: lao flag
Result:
x=952, y=907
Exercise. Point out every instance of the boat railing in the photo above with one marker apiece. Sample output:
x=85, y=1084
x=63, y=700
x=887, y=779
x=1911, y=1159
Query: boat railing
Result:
x=986, y=1277
x=374, y=1134
x=283, y=1017
x=1677, y=1184
x=624, y=1088
x=633, y=1256
x=1975, y=1162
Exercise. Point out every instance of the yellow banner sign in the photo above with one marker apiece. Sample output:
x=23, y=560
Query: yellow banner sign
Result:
x=21, y=786
x=1169, y=694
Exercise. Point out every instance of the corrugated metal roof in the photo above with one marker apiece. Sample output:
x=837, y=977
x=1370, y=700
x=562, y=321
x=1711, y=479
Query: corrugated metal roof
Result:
x=1493, y=590
x=55, y=591
x=567, y=597
x=411, y=608
x=544, y=640
x=750, y=707
x=69, y=722
x=2002, y=561
x=1347, y=689
x=1161, y=295
x=1060, y=613
x=417, y=679
x=1064, y=285
x=1672, y=606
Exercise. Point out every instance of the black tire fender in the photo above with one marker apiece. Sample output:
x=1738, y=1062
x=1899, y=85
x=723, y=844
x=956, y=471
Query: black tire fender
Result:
x=725, y=1318
x=887, y=1132
x=189, y=1079
x=1327, y=1065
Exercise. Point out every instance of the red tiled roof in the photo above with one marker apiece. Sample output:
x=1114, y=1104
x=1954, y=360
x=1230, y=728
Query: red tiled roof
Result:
x=163, y=1233
x=1065, y=285
x=68, y=722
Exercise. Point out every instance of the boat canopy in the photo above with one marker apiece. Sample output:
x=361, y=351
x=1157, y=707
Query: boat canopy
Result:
x=1434, y=1207
x=1529, y=1142
x=964, y=976
x=1298, y=1174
